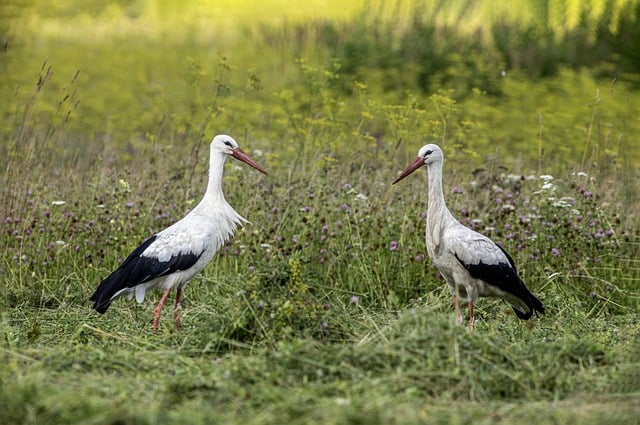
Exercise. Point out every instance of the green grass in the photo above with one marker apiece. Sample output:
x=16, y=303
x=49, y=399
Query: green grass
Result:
x=308, y=315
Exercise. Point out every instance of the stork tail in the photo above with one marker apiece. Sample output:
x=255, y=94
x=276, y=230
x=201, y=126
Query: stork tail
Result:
x=534, y=305
x=113, y=285
x=107, y=291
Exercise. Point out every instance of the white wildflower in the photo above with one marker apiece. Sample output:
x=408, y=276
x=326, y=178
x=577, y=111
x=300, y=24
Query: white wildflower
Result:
x=548, y=186
x=564, y=202
x=512, y=178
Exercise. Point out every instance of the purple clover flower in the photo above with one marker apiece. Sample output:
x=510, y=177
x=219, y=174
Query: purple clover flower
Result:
x=393, y=246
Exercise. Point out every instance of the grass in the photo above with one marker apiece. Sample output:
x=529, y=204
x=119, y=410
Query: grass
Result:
x=324, y=308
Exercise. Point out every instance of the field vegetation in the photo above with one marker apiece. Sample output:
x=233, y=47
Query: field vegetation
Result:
x=325, y=307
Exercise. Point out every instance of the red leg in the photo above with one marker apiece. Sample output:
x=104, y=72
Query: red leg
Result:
x=156, y=312
x=471, y=322
x=457, y=307
x=177, y=307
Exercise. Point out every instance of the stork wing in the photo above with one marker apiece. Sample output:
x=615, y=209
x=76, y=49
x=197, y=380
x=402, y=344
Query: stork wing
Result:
x=144, y=264
x=149, y=265
x=487, y=261
x=472, y=248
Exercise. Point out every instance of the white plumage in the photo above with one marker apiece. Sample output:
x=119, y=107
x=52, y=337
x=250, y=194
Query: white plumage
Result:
x=472, y=264
x=172, y=257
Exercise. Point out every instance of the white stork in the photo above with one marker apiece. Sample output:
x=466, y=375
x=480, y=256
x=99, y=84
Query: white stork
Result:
x=472, y=264
x=172, y=257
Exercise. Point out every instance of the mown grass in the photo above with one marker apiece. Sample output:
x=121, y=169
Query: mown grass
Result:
x=324, y=308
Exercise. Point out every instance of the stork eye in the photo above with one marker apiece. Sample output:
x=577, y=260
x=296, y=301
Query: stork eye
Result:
x=427, y=153
x=228, y=143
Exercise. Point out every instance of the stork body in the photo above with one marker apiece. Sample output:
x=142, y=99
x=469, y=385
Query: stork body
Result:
x=472, y=264
x=171, y=258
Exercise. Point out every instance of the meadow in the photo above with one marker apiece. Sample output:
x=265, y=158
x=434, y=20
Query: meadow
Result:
x=325, y=307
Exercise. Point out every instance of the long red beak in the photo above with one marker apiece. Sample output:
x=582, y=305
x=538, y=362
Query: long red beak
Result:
x=241, y=155
x=417, y=163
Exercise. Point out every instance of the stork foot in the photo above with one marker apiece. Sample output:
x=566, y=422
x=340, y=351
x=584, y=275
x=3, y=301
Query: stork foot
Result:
x=176, y=316
x=158, y=309
x=177, y=308
x=457, y=308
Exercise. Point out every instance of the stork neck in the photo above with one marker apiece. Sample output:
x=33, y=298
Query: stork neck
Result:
x=437, y=203
x=216, y=167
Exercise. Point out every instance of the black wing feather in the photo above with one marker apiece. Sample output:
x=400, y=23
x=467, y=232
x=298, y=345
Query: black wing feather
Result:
x=136, y=270
x=505, y=277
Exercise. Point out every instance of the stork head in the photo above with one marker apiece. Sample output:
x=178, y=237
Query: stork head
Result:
x=228, y=146
x=428, y=154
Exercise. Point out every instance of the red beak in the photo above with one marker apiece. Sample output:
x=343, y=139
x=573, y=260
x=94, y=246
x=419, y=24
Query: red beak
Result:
x=417, y=163
x=241, y=155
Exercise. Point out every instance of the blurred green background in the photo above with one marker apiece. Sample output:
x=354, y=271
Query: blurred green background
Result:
x=122, y=71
